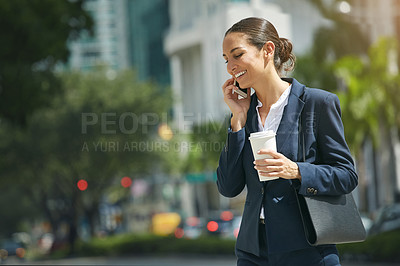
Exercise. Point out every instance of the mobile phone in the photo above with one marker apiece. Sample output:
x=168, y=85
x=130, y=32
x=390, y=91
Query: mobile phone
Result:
x=240, y=91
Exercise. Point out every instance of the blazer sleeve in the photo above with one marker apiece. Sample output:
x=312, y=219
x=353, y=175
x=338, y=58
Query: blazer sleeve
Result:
x=230, y=172
x=332, y=172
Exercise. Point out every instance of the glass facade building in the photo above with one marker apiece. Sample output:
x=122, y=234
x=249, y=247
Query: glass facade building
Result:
x=126, y=34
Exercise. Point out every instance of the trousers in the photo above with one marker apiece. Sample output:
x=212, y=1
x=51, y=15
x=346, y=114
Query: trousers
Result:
x=324, y=255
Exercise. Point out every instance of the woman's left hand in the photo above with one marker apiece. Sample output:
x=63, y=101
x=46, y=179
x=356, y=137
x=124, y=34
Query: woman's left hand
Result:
x=277, y=166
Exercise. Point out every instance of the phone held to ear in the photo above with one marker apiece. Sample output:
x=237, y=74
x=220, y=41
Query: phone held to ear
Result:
x=240, y=91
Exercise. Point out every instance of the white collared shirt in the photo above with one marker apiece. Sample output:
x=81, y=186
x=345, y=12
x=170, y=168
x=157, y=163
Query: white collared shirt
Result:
x=275, y=113
x=273, y=119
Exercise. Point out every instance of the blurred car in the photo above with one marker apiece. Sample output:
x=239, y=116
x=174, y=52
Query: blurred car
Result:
x=165, y=223
x=192, y=227
x=45, y=242
x=222, y=225
x=9, y=247
x=388, y=219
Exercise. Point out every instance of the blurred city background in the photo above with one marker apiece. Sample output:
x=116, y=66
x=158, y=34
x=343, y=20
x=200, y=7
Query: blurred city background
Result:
x=112, y=121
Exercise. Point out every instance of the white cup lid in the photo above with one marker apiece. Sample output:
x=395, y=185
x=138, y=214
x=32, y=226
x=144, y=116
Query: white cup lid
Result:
x=268, y=133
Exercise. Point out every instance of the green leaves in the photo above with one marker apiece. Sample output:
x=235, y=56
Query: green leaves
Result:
x=83, y=134
x=34, y=37
x=368, y=100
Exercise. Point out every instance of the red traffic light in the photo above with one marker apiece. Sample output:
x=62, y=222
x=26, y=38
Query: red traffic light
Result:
x=82, y=184
x=226, y=216
x=212, y=226
x=126, y=182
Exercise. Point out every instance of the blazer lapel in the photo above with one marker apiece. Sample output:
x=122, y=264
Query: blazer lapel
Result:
x=289, y=124
x=290, y=118
x=252, y=118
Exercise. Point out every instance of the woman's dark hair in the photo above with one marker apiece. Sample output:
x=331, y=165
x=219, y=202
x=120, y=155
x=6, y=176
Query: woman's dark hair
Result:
x=258, y=32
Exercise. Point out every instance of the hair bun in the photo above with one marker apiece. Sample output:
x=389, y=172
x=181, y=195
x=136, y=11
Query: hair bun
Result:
x=286, y=55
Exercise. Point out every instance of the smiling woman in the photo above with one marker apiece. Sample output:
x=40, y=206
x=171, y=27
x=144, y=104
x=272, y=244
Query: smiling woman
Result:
x=271, y=231
x=258, y=32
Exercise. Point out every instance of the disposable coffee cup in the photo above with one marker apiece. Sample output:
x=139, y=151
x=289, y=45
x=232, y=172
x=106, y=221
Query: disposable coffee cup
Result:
x=263, y=140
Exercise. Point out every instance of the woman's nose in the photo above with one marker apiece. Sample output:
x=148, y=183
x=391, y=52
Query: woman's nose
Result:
x=231, y=68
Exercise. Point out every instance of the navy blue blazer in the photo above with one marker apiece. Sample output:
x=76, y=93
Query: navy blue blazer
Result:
x=328, y=168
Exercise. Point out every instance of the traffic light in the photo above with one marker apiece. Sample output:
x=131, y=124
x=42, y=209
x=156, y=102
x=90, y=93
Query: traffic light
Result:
x=82, y=184
x=126, y=182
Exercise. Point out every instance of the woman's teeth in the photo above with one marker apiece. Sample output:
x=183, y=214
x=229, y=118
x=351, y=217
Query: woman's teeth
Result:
x=239, y=74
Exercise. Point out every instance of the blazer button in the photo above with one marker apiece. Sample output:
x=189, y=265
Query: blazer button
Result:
x=315, y=192
x=262, y=191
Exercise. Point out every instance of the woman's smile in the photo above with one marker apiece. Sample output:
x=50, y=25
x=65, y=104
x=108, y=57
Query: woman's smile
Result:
x=238, y=75
x=245, y=62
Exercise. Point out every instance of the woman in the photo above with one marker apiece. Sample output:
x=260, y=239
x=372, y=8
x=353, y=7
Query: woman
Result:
x=271, y=231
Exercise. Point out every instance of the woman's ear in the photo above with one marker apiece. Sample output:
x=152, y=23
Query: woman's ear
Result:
x=269, y=49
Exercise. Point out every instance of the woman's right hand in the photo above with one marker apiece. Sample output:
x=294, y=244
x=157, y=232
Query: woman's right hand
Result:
x=238, y=107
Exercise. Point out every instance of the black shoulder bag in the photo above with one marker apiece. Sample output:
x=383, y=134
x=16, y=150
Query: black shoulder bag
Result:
x=329, y=219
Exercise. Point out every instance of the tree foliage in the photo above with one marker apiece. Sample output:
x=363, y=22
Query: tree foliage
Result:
x=368, y=100
x=194, y=152
x=341, y=37
x=315, y=73
x=94, y=132
x=34, y=37
x=208, y=139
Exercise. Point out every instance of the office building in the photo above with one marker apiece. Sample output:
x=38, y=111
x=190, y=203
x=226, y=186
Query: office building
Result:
x=127, y=34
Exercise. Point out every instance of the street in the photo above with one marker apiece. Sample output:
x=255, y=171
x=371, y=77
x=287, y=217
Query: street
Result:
x=176, y=260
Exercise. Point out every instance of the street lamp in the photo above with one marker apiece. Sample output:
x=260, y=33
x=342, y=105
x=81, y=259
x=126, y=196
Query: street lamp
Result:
x=344, y=7
x=165, y=132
